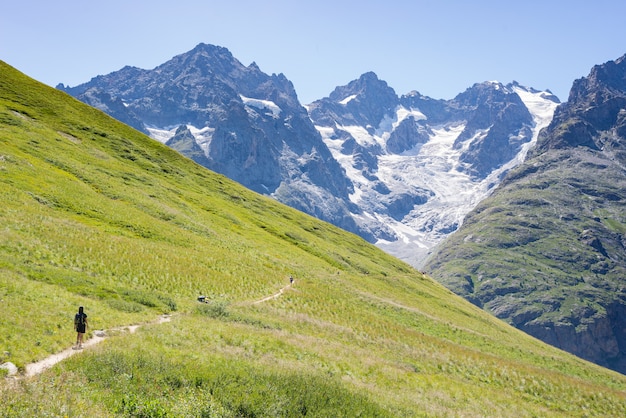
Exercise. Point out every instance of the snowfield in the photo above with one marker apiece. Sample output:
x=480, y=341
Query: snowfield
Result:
x=432, y=166
x=264, y=105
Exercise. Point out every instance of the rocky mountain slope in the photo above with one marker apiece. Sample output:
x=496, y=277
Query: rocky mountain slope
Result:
x=402, y=172
x=233, y=119
x=547, y=251
x=418, y=165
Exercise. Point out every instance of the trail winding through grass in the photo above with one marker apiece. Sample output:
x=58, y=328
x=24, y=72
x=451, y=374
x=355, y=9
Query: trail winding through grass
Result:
x=39, y=367
x=275, y=295
x=33, y=369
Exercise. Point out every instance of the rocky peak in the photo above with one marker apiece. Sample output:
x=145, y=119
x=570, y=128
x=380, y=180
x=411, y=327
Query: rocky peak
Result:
x=498, y=124
x=487, y=91
x=367, y=86
x=596, y=105
x=364, y=102
x=436, y=110
x=211, y=59
x=486, y=101
x=235, y=120
x=609, y=77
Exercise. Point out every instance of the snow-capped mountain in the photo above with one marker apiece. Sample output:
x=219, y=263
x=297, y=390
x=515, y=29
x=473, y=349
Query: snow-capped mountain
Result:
x=419, y=165
x=399, y=171
x=233, y=119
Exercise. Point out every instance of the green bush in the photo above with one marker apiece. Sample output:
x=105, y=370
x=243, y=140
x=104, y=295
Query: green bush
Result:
x=213, y=309
x=125, y=306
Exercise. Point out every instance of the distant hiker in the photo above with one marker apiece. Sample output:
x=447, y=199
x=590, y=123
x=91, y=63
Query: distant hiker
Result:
x=80, y=326
x=290, y=279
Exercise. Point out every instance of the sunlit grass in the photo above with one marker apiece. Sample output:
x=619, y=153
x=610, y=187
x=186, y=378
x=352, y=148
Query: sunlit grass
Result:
x=95, y=214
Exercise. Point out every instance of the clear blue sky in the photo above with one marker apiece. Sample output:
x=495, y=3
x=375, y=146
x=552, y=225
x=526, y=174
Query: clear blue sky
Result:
x=438, y=47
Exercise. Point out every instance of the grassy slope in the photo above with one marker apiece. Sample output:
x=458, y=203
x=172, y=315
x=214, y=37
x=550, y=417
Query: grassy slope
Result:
x=94, y=213
x=507, y=253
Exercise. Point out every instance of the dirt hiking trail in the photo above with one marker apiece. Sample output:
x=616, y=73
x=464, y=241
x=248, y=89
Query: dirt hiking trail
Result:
x=39, y=367
x=275, y=295
x=33, y=369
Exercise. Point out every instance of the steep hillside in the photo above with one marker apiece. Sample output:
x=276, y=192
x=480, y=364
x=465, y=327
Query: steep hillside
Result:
x=547, y=252
x=94, y=213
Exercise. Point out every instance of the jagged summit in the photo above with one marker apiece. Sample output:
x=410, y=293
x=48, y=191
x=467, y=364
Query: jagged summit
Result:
x=364, y=102
x=604, y=78
x=249, y=126
x=400, y=171
x=368, y=85
x=596, y=104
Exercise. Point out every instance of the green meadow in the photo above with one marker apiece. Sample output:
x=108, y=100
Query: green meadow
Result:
x=95, y=214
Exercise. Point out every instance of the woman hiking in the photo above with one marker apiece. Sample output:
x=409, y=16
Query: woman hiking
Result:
x=80, y=325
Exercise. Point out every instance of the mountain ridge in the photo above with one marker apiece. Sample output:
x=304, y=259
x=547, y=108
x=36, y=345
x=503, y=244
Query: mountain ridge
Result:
x=251, y=127
x=546, y=251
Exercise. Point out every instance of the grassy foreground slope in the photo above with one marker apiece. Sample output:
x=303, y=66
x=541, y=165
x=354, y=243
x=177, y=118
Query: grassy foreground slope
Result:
x=94, y=213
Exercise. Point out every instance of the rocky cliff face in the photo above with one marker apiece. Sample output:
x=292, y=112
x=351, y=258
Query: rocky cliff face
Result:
x=401, y=172
x=547, y=251
x=233, y=119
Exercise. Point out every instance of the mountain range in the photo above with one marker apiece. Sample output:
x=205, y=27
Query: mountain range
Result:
x=99, y=215
x=417, y=164
x=405, y=172
x=400, y=171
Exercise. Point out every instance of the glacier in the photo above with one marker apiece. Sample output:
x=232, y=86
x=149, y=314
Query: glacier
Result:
x=434, y=165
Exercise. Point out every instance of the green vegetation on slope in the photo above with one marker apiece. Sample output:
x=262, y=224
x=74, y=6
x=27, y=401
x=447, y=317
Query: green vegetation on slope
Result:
x=547, y=247
x=94, y=213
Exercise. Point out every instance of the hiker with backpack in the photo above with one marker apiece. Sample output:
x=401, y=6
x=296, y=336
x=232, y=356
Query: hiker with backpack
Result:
x=80, y=325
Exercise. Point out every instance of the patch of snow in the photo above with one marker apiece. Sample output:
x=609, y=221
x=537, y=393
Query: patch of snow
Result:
x=361, y=135
x=542, y=111
x=348, y=99
x=390, y=123
x=203, y=136
x=346, y=161
x=262, y=105
x=161, y=134
x=404, y=113
x=381, y=134
x=434, y=168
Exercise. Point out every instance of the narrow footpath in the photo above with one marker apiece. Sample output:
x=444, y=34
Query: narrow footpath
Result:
x=34, y=369
x=39, y=367
x=275, y=295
